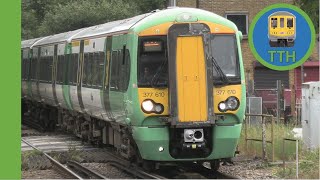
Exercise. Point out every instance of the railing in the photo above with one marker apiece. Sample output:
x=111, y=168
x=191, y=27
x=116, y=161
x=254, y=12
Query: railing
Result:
x=297, y=155
x=263, y=135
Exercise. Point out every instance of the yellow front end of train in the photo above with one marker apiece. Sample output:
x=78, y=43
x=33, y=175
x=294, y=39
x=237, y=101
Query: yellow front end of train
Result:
x=282, y=29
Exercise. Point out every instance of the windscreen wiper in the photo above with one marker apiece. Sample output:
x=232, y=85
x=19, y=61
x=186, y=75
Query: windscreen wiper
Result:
x=155, y=79
x=218, y=69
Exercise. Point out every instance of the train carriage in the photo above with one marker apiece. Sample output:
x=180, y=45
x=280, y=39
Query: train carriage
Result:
x=281, y=29
x=162, y=86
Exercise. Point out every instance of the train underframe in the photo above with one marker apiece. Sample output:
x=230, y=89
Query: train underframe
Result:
x=127, y=143
x=281, y=43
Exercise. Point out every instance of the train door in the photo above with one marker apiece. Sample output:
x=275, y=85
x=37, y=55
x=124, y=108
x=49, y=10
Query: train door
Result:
x=190, y=83
x=191, y=79
x=106, y=100
x=117, y=77
x=54, y=73
x=79, y=77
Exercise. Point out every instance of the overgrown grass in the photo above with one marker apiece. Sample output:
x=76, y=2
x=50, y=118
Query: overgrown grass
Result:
x=308, y=166
x=280, y=131
x=308, y=160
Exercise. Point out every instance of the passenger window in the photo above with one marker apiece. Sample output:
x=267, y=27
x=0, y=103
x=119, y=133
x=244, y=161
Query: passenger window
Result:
x=281, y=22
x=289, y=22
x=100, y=68
x=274, y=22
x=75, y=68
x=126, y=70
x=62, y=60
x=50, y=64
x=95, y=69
x=85, y=69
x=114, y=71
x=70, y=68
x=59, y=75
x=120, y=70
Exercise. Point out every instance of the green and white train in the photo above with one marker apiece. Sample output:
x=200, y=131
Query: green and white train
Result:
x=164, y=86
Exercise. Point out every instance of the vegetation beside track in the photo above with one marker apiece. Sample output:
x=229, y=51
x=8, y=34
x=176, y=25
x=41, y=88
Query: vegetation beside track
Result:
x=308, y=160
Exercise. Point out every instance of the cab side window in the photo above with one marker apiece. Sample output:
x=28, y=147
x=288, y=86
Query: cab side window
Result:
x=120, y=70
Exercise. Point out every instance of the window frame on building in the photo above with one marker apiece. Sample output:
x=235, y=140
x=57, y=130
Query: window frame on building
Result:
x=240, y=13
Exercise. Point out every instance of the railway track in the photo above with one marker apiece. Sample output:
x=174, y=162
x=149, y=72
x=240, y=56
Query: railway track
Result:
x=46, y=144
x=57, y=164
x=191, y=171
x=75, y=170
x=130, y=168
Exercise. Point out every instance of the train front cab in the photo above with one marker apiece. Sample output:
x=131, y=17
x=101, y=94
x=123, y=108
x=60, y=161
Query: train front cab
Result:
x=185, y=88
x=282, y=29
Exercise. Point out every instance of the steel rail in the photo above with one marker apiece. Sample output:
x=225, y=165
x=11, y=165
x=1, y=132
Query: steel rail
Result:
x=135, y=171
x=208, y=172
x=130, y=168
x=90, y=174
x=55, y=162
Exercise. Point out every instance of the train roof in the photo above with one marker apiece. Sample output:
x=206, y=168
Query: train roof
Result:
x=172, y=14
x=110, y=27
x=58, y=38
x=28, y=43
x=135, y=24
x=281, y=13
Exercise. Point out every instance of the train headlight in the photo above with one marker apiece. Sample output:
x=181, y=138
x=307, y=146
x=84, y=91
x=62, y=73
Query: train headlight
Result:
x=159, y=108
x=147, y=105
x=222, y=106
x=232, y=103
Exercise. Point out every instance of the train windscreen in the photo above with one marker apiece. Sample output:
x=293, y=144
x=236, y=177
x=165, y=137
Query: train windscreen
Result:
x=152, y=62
x=225, y=57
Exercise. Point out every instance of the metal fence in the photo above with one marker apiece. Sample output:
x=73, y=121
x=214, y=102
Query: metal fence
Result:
x=264, y=118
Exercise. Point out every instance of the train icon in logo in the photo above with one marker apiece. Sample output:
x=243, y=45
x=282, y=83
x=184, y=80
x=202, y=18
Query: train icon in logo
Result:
x=281, y=29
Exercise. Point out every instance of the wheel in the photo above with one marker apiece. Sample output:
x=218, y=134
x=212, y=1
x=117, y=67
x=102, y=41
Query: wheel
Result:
x=215, y=165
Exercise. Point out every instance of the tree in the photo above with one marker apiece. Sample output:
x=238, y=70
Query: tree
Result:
x=80, y=14
x=311, y=7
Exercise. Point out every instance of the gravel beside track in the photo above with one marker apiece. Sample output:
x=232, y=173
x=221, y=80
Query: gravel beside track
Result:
x=249, y=169
x=43, y=174
x=107, y=170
